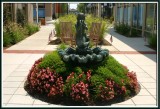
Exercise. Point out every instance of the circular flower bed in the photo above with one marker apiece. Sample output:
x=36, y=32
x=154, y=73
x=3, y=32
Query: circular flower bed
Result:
x=107, y=82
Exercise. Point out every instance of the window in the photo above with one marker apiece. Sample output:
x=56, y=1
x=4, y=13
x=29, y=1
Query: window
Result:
x=41, y=10
x=135, y=15
x=140, y=15
x=155, y=19
x=121, y=14
x=126, y=14
x=129, y=15
x=149, y=16
x=118, y=14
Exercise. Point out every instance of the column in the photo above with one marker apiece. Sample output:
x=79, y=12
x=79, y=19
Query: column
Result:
x=14, y=12
x=99, y=9
x=48, y=11
x=30, y=13
x=123, y=13
x=115, y=13
x=144, y=17
x=154, y=19
x=131, y=18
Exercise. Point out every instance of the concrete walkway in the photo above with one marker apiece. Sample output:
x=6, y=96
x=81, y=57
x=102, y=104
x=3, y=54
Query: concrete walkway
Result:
x=37, y=41
x=16, y=67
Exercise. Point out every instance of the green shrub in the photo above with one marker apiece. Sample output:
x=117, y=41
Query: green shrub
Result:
x=66, y=18
x=115, y=67
x=134, y=32
x=62, y=46
x=123, y=29
x=21, y=17
x=111, y=19
x=57, y=28
x=153, y=41
x=97, y=80
x=45, y=82
x=14, y=32
x=32, y=28
x=53, y=61
x=107, y=74
x=103, y=82
x=6, y=39
x=78, y=70
x=89, y=19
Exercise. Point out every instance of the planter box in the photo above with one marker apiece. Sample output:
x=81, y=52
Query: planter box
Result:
x=43, y=21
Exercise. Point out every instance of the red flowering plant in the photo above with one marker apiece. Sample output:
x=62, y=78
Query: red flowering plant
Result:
x=120, y=89
x=80, y=92
x=77, y=86
x=71, y=79
x=44, y=81
x=133, y=83
x=106, y=92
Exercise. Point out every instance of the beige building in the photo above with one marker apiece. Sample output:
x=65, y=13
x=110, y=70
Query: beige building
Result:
x=46, y=11
x=29, y=10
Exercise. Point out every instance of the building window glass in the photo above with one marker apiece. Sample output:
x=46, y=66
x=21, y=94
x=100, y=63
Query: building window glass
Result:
x=140, y=15
x=135, y=15
x=126, y=14
x=41, y=10
x=121, y=14
x=129, y=15
x=118, y=14
x=155, y=19
x=149, y=16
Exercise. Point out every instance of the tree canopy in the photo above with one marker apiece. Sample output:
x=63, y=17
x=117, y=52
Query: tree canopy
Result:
x=81, y=7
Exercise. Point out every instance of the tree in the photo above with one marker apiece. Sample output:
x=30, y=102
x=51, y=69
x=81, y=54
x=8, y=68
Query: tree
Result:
x=21, y=17
x=64, y=7
x=7, y=15
x=81, y=7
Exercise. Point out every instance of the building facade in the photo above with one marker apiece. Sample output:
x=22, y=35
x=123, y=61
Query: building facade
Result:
x=25, y=8
x=46, y=11
x=104, y=10
x=139, y=16
x=50, y=11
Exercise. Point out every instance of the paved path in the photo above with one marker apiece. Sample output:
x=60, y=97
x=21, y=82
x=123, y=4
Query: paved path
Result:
x=122, y=43
x=129, y=51
x=37, y=41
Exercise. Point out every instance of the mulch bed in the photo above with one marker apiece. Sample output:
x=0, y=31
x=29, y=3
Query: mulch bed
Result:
x=151, y=47
x=58, y=41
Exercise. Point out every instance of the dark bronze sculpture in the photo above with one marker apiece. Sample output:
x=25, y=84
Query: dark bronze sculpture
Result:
x=83, y=53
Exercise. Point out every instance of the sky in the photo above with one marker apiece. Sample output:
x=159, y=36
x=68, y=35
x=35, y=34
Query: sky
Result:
x=73, y=5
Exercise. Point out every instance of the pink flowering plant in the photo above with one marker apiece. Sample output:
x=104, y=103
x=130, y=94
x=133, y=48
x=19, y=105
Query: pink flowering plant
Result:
x=44, y=81
x=81, y=85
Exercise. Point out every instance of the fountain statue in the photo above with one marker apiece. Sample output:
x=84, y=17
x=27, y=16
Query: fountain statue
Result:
x=82, y=54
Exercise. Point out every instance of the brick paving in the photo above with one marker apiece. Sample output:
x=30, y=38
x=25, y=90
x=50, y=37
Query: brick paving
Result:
x=46, y=51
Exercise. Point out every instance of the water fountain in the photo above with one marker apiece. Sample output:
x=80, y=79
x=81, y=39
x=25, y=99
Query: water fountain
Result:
x=83, y=54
